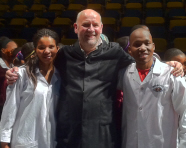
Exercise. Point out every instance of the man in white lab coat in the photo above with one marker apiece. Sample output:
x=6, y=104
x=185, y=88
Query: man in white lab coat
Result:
x=154, y=105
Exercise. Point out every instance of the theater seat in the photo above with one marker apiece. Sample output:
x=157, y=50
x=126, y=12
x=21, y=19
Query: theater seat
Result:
x=160, y=44
x=68, y=41
x=130, y=21
x=20, y=42
x=180, y=43
x=158, y=21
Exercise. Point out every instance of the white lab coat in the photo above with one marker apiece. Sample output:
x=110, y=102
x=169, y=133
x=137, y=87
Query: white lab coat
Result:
x=28, y=118
x=3, y=64
x=154, y=109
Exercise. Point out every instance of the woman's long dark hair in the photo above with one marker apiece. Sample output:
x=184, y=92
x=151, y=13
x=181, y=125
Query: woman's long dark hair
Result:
x=27, y=50
x=33, y=61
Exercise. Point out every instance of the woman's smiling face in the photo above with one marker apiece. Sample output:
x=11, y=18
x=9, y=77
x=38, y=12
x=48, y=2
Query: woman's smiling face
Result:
x=46, y=50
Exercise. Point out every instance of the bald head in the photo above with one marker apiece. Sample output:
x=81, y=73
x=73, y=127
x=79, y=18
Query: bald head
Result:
x=139, y=26
x=88, y=27
x=88, y=12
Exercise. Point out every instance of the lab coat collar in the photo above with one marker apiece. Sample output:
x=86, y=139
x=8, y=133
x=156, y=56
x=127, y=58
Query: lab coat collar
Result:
x=55, y=71
x=3, y=64
x=156, y=68
x=55, y=76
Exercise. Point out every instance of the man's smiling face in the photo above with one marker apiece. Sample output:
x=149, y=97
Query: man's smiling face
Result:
x=141, y=46
x=88, y=28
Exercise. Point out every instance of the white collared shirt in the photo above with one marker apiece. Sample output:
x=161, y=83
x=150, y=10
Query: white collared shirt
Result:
x=154, y=109
x=3, y=64
x=28, y=118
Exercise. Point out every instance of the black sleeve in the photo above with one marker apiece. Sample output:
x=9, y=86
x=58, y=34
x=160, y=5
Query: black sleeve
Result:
x=59, y=59
x=125, y=59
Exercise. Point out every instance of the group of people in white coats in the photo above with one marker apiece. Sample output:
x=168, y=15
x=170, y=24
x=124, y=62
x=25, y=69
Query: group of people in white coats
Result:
x=88, y=74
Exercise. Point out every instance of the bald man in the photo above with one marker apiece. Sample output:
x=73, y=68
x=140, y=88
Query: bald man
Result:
x=154, y=107
x=89, y=69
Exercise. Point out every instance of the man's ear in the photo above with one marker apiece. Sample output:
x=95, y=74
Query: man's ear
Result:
x=101, y=27
x=129, y=50
x=153, y=46
x=75, y=28
x=57, y=48
x=3, y=50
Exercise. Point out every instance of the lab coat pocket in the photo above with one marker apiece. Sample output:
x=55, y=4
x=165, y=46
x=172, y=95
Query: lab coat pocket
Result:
x=33, y=144
x=106, y=112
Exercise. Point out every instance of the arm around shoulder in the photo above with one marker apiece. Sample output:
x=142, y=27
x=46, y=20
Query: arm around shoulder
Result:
x=120, y=79
x=125, y=59
x=59, y=57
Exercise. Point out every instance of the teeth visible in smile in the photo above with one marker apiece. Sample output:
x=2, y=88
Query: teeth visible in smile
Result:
x=143, y=55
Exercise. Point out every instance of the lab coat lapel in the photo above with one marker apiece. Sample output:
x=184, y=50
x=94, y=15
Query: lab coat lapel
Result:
x=147, y=78
x=156, y=70
x=40, y=77
x=134, y=73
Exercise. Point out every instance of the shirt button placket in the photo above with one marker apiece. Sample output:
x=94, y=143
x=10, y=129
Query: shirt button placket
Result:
x=140, y=108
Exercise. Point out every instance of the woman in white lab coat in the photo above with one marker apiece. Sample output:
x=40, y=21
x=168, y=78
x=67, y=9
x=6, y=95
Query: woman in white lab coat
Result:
x=28, y=118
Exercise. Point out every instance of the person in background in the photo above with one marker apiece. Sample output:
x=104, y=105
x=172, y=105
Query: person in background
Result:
x=28, y=51
x=175, y=54
x=25, y=52
x=28, y=118
x=17, y=57
x=154, y=105
x=123, y=42
x=7, y=46
x=104, y=38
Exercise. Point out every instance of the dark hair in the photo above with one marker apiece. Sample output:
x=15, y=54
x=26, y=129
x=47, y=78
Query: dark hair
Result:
x=14, y=53
x=3, y=42
x=137, y=27
x=27, y=50
x=123, y=42
x=172, y=52
x=32, y=63
x=16, y=61
x=45, y=32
